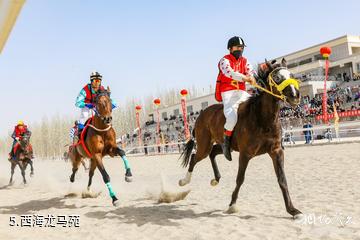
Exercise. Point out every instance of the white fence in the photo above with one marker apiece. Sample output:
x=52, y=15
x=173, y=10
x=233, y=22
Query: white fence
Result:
x=319, y=134
x=346, y=130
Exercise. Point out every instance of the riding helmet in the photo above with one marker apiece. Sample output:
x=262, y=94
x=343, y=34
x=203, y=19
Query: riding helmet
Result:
x=95, y=75
x=235, y=41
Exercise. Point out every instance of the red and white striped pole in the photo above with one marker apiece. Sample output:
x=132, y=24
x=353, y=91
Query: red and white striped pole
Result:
x=138, y=109
x=184, y=93
x=325, y=52
x=157, y=103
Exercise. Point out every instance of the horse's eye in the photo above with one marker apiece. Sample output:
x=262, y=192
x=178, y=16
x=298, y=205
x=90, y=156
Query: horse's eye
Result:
x=276, y=78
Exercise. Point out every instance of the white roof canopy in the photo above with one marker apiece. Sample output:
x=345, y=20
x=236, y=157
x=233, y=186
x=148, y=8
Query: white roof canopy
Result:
x=9, y=11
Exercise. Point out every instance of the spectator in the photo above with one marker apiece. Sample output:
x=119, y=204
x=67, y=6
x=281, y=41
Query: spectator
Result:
x=308, y=133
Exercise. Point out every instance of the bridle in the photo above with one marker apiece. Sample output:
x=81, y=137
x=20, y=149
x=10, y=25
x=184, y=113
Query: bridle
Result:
x=102, y=118
x=279, y=87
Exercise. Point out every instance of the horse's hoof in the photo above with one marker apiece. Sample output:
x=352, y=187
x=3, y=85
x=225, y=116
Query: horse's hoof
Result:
x=72, y=179
x=232, y=209
x=31, y=174
x=116, y=202
x=298, y=217
x=182, y=182
x=214, y=182
x=128, y=179
x=128, y=175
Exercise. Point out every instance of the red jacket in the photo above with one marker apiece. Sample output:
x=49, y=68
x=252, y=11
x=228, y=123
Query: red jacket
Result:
x=18, y=132
x=229, y=65
x=90, y=97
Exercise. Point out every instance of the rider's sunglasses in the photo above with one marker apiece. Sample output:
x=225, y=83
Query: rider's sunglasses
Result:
x=97, y=80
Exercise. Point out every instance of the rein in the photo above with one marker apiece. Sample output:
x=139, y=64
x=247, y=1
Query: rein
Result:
x=279, y=87
x=100, y=130
x=102, y=119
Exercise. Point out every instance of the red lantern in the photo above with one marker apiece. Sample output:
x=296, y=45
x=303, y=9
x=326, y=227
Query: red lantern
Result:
x=325, y=51
x=157, y=101
x=184, y=92
x=138, y=107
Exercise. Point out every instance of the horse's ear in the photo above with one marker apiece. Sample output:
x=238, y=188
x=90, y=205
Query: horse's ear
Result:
x=283, y=62
x=263, y=67
x=268, y=64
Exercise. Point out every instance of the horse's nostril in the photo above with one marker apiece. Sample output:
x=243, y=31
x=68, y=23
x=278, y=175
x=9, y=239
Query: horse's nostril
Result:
x=108, y=119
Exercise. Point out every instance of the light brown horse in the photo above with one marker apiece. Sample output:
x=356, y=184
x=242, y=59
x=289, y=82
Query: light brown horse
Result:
x=100, y=141
x=258, y=131
x=23, y=157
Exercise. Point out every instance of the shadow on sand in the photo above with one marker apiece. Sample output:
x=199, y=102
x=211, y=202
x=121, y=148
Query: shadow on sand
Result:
x=36, y=205
x=159, y=214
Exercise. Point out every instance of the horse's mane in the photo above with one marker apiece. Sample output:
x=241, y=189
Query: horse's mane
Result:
x=102, y=92
x=261, y=78
x=254, y=102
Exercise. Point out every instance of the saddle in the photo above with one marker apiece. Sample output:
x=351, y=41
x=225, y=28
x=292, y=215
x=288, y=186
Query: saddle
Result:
x=28, y=149
x=83, y=133
x=17, y=145
x=82, y=138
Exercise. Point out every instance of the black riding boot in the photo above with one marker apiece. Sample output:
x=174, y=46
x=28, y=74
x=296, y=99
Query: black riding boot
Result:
x=79, y=131
x=226, y=147
x=11, y=155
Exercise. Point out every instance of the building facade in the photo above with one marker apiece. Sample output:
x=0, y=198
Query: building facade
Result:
x=194, y=106
x=308, y=64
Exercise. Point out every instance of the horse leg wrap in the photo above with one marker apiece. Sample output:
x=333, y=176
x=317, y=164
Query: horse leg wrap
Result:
x=121, y=152
x=126, y=162
x=111, y=191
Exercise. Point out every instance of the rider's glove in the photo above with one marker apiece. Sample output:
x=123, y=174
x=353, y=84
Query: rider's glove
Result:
x=89, y=105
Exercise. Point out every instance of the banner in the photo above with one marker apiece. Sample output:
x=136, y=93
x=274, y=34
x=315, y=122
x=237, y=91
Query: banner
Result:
x=158, y=126
x=183, y=106
x=138, y=109
x=324, y=100
x=350, y=113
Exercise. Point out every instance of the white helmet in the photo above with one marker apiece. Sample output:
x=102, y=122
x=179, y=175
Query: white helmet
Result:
x=95, y=75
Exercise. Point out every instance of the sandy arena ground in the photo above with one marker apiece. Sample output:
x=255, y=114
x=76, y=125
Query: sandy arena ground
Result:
x=323, y=183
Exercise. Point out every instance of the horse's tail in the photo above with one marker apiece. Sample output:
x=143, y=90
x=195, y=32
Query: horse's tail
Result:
x=189, y=146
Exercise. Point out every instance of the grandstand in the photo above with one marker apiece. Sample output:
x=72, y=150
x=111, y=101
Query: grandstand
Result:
x=308, y=65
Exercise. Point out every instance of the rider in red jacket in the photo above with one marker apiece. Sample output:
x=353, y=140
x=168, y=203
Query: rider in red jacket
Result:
x=234, y=72
x=19, y=130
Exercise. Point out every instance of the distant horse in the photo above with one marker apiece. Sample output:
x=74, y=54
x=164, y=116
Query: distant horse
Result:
x=66, y=157
x=23, y=155
x=258, y=130
x=97, y=140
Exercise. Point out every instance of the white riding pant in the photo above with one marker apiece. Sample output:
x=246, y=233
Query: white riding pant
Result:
x=231, y=101
x=85, y=114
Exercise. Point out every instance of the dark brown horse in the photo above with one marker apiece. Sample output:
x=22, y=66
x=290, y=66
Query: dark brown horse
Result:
x=23, y=157
x=258, y=131
x=100, y=141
